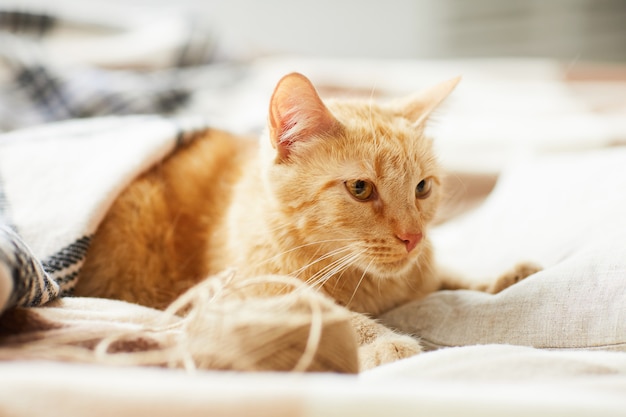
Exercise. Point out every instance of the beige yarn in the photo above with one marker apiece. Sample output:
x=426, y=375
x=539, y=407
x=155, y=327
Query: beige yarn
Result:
x=220, y=323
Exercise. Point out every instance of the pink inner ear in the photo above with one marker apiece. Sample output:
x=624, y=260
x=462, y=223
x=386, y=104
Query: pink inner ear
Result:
x=297, y=113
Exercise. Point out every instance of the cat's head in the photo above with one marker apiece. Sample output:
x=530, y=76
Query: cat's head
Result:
x=354, y=178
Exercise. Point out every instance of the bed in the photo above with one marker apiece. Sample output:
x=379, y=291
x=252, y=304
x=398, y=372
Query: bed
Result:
x=536, y=162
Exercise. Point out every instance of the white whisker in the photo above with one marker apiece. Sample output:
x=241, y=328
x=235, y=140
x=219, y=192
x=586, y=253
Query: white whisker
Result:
x=359, y=283
x=321, y=258
x=295, y=248
x=335, y=267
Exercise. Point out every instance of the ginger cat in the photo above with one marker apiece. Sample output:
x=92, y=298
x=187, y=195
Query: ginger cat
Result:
x=339, y=194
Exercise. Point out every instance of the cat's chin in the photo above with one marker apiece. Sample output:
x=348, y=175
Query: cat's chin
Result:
x=390, y=270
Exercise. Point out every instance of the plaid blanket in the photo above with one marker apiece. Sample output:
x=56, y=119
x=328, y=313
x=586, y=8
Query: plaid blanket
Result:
x=109, y=65
x=57, y=181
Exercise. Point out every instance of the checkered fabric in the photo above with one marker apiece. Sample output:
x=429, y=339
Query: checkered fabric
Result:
x=38, y=86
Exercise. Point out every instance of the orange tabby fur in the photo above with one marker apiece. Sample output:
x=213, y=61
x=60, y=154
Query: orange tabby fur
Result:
x=281, y=206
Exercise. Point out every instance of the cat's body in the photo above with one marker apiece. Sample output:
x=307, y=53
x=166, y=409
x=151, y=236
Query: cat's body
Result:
x=176, y=225
x=339, y=195
x=223, y=201
x=164, y=233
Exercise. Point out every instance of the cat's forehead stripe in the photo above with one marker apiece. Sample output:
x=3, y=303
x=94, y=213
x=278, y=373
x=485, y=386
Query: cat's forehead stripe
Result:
x=384, y=144
x=402, y=154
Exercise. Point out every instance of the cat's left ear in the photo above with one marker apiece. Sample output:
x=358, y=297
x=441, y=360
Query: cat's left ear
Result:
x=419, y=107
x=297, y=114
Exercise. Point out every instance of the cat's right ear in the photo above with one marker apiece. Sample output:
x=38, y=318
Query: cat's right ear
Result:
x=297, y=113
x=419, y=107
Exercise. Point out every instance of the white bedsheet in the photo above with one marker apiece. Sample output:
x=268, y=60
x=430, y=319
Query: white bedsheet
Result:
x=470, y=381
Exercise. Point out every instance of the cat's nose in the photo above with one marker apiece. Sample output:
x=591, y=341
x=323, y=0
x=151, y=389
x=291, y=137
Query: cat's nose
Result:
x=410, y=240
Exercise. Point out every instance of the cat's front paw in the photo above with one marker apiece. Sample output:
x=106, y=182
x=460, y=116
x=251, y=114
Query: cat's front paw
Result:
x=386, y=349
x=518, y=273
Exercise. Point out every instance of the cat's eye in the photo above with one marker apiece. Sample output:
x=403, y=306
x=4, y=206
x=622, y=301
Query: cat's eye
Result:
x=423, y=189
x=360, y=189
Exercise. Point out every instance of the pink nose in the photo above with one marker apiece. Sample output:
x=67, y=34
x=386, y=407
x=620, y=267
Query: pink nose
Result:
x=410, y=240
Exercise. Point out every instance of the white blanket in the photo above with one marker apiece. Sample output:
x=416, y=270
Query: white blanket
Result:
x=477, y=381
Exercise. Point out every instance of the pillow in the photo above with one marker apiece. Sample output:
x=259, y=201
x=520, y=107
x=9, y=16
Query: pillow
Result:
x=566, y=212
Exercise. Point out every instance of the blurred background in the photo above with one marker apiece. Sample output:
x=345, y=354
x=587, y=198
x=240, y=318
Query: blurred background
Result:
x=538, y=75
x=563, y=29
